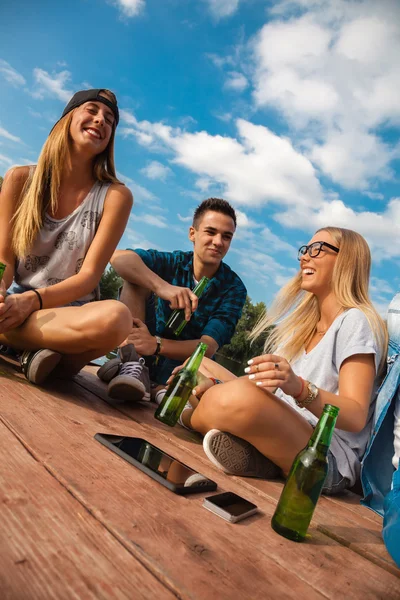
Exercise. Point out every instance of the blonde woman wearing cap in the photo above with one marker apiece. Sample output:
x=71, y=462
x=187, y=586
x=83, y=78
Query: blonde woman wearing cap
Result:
x=328, y=347
x=60, y=222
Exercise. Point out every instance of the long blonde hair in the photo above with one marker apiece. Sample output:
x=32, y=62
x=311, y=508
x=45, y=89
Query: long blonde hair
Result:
x=41, y=190
x=294, y=314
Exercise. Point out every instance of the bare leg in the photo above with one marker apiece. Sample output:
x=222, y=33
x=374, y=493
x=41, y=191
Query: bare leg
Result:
x=210, y=368
x=268, y=423
x=135, y=297
x=80, y=333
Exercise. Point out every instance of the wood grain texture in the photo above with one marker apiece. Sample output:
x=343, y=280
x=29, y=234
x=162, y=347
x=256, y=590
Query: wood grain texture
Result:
x=51, y=546
x=192, y=551
x=341, y=517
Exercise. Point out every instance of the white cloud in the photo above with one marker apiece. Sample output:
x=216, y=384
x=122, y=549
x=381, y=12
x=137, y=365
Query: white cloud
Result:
x=221, y=61
x=185, y=219
x=236, y=81
x=380, y=286
x=381, y=306
x=137, y=240
x=255, y=168
x=276, y=244
x=332, y=69
x=10, y=74
x=243, y=221
x=154, y=220
x=203, y=184
x=374, y=195
x=130, y=8
x=225, y=117
x=52, y=85
x=381, y=230
x=260, y=168
x=9, y=136
x=265, y=268
x=156, y=170
x=369, y=157
x=140, y=193
x=222, y=8
x=34, y=113
x=27, y=161
x=5, y=160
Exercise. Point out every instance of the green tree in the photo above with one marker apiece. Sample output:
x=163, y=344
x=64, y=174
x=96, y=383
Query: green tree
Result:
x=110, y=283
x=240, y=347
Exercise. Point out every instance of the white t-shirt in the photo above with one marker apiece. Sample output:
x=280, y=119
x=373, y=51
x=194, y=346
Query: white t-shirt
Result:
x=349, y=334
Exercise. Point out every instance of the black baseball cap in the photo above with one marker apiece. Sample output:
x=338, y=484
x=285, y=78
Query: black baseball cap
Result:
x=87, y=96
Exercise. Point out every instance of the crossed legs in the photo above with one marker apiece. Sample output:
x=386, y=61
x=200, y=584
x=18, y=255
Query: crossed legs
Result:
x=80, y=334
x=259, y=417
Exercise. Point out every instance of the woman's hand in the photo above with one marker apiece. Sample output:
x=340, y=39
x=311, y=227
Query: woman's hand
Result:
x=270, y=371
x=15, y=309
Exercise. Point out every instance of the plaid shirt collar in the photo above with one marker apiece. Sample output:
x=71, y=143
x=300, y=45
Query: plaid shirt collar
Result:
x=216, y=280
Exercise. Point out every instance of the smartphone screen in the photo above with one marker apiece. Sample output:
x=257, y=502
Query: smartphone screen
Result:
x=165, y=468
x=232, y=504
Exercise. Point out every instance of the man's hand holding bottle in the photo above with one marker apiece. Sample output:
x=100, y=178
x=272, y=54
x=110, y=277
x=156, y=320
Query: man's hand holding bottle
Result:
x=178, y=298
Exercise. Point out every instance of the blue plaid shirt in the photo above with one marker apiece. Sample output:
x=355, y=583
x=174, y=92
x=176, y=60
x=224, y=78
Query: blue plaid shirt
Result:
x=219, y=308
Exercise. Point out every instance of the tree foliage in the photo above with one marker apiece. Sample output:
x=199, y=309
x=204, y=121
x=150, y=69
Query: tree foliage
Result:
x=1, y=181
x=110, y=283
x=240, y=348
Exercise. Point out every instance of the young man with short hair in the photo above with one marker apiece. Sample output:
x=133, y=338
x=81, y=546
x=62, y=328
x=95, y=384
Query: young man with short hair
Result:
x=171, y=276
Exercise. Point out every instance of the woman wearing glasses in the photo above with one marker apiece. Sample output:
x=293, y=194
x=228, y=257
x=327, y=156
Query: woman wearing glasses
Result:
x=329, y=346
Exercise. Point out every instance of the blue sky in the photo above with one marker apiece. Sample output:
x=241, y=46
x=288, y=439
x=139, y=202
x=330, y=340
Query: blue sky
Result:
x=289, y=109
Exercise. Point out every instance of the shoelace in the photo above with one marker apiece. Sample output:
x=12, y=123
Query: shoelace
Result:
x=132, y=368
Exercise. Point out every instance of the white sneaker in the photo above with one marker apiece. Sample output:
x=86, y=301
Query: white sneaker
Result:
x=158, y=398
x=235, y=456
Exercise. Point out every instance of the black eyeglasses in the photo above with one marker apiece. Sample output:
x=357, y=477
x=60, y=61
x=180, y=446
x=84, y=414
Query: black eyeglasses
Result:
x=314, y=249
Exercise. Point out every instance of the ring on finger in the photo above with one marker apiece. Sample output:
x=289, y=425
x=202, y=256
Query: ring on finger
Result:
x=257, y=367
x=276, y=366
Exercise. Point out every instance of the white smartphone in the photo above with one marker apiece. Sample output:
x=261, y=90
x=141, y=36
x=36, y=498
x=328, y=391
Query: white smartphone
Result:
x=230, y=506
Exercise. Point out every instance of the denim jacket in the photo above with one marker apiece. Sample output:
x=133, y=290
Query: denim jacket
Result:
x=377, y=469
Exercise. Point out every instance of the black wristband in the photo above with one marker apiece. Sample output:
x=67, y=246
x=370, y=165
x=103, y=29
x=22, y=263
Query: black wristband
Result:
x=40, y=298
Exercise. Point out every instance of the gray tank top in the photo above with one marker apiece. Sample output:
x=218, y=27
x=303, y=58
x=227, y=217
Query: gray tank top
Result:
x=61, y=245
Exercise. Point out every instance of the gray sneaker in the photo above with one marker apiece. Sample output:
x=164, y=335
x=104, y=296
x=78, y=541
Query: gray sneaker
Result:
x=112, y=367
x=238, y=457
x=132, y=382
x=37, y=365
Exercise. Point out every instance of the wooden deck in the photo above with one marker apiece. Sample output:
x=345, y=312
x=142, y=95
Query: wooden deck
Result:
x=77, y=521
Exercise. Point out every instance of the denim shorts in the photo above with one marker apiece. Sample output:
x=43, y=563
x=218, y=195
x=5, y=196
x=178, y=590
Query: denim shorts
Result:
x=335, y=483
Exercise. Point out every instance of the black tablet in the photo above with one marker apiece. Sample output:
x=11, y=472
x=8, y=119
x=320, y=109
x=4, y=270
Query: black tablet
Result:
x=159, y=465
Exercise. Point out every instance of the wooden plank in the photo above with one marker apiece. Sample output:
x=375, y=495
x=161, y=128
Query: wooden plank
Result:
x=51, y=547
x=148, y=518
x=343, y=517
x=209, y=555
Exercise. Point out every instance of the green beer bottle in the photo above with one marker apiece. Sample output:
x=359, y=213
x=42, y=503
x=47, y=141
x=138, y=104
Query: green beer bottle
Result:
x=2, y=269
x=176, y=322
x=180, y=389
x=305, y=481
